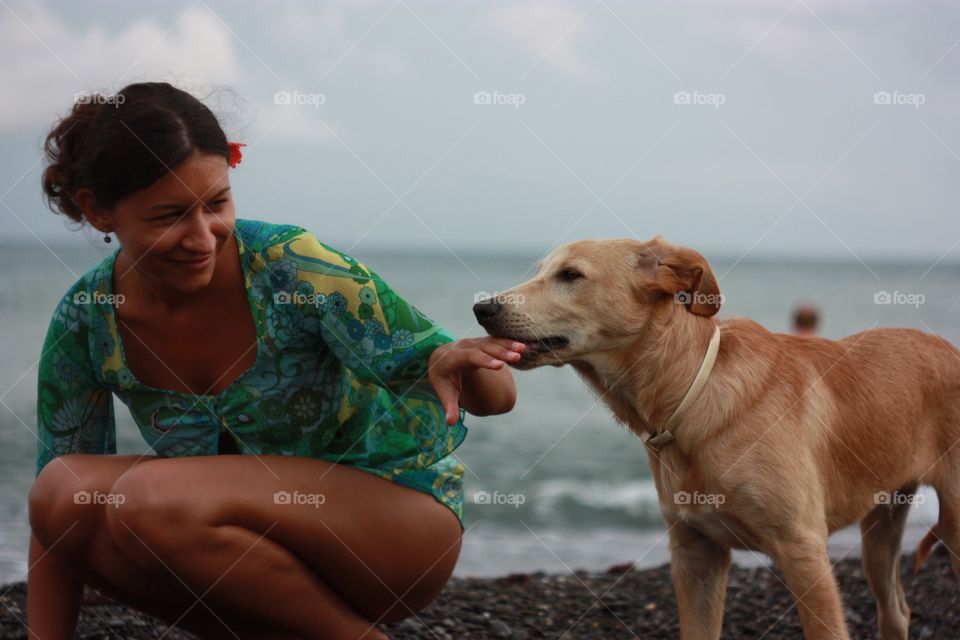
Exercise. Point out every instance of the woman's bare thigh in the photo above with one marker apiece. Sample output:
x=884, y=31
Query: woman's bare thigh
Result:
x=385, y=548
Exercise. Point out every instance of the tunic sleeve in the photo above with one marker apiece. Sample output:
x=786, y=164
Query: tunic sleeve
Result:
x=381, y=337
x=74, y=412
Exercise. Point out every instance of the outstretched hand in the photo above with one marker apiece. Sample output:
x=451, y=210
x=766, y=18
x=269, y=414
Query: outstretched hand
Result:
x=450, y=361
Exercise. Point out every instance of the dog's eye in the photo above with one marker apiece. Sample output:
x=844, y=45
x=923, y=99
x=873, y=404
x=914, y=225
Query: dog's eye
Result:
x=569, y=275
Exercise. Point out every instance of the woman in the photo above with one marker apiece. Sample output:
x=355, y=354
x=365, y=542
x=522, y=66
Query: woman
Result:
x=225, y=335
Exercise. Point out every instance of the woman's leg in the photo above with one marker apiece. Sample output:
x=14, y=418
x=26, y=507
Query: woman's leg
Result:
x=71, y=542
x=344, y=550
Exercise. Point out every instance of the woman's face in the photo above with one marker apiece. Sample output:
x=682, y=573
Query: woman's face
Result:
x=174, y=231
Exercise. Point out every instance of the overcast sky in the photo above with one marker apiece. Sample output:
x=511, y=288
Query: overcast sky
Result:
x=768, y=128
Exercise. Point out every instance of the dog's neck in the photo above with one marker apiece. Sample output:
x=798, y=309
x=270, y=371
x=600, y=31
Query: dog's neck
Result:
x=645, y=382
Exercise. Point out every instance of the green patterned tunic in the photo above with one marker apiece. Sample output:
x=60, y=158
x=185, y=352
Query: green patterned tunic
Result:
x=340, y=372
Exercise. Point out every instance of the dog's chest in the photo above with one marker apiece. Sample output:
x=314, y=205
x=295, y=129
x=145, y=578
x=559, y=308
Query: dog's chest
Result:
x=688, y=498
x=723, y=528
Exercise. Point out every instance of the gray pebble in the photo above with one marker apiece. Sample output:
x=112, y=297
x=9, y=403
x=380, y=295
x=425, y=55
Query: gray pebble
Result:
x=500, y=629
x=412, y=625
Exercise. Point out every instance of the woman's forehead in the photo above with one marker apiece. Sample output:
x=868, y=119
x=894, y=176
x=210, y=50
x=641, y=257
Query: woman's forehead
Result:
x=196, y=178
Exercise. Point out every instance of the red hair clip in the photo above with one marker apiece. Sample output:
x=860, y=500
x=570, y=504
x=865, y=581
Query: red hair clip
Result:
x=235, y=155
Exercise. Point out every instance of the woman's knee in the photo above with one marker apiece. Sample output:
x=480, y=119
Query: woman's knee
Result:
x=63, y=504
x=153, y=515
x=408, y=597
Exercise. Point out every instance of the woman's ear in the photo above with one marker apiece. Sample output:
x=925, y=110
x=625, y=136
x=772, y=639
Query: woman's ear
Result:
x=98, y=217
x=686, y=275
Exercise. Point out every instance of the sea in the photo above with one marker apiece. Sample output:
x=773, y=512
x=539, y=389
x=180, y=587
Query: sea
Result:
x=555, y=485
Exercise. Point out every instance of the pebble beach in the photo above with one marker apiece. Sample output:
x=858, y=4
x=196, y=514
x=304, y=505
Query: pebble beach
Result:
x=621, y=602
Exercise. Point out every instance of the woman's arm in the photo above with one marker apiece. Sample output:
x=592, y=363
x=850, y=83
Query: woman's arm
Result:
x=385, y=340
x=471, y=373
x=487, y=393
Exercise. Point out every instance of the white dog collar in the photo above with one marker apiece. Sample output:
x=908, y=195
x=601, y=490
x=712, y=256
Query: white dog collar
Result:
x=664, y=436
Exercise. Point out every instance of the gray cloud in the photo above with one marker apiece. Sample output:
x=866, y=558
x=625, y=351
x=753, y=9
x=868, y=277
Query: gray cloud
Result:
x=742, y=127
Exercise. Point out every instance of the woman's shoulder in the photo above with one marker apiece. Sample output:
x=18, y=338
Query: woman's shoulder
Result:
x=259, y=235
x=86, y=294
x=293, y=242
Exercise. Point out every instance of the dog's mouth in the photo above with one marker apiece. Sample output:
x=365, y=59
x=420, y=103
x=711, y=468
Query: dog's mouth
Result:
x=536, y=347
x=545, y=345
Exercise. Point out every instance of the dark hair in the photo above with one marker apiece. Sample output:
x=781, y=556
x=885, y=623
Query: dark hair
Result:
x=805, y=317
x=119, y=144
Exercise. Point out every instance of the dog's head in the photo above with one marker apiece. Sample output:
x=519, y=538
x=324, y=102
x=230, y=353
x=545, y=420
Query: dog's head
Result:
x=592, y=296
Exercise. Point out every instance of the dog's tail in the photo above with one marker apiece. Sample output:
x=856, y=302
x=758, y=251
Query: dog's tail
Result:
x=926, y=546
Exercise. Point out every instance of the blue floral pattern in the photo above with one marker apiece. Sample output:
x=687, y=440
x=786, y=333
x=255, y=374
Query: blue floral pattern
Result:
x=339, y=374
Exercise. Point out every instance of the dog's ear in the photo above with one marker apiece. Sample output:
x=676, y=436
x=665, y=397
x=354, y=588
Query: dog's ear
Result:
x=682, y=273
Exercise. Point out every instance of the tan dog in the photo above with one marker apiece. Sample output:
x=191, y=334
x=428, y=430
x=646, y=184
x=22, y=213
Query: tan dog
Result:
x=789, y=439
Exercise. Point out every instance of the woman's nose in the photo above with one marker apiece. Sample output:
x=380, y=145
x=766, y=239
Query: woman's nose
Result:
x=199, y=237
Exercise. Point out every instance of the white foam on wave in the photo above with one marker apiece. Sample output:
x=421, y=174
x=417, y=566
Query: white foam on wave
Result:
x=635, y=498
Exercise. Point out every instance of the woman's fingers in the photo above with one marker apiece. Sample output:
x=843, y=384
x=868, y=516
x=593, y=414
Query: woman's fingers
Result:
x=501, y=348
x=479, y=359
x=507, y=343
x=449, y=397
x=500, y=352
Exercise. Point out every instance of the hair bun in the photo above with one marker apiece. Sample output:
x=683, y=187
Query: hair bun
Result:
x=63, y=147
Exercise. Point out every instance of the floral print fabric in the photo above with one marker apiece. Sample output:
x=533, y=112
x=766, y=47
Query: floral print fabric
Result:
x=340, y=372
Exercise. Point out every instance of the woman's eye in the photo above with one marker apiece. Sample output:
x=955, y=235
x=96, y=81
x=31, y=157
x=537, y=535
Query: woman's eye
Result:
x=569, y=275
x=173, y=215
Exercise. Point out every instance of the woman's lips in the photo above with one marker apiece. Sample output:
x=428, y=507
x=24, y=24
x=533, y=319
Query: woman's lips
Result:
x=195, y=265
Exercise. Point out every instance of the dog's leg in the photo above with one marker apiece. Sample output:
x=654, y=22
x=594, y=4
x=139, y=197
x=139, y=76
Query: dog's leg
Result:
x=882, y=530
x=949, y=524
x=699, y=569
x=806, y=567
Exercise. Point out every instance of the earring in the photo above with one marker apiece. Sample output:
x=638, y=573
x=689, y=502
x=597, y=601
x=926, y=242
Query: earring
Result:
x=106, y=237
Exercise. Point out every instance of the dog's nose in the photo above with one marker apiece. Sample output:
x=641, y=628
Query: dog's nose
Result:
x=486, y=309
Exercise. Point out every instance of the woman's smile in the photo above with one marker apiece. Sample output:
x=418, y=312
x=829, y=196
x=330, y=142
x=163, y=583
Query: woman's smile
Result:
x=195, y=264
